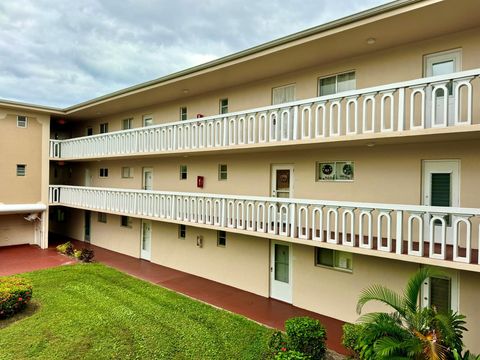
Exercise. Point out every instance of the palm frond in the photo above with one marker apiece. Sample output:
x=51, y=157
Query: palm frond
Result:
x=451, y=328
x=388, y=347
x=382, y=294
x=414, y=285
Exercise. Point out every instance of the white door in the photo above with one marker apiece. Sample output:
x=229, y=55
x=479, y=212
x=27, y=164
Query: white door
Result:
x=441, y=187
x=88, y=178
x=282, y=181
x=442, y=63
x=147, y=179
x=145, y=251
x=281, y=271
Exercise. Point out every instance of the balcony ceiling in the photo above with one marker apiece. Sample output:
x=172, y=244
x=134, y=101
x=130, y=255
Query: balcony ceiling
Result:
x=416, y=22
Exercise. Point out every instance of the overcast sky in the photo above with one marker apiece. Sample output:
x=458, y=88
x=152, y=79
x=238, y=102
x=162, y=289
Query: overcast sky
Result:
x=59, y=53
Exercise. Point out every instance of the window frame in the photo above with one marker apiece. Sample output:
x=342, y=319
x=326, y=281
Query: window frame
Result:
x=222, y=106
x=335, y=162
x=336, y=75
x=21, y=170
x=89, y=131
x=103, y=173
x=221, y=237
x=182, y=231
x=104, y=128
x=294, y=85
x=222, y=172
x=129, y=122
x=102, y=217
x=335, y=256
x=25, y=119
x=127, y=223
x=183, y=113
x=183, y=171
x=130, y=172
x=147, y=118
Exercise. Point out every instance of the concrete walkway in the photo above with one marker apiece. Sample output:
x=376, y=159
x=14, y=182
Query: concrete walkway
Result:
x=267, y=311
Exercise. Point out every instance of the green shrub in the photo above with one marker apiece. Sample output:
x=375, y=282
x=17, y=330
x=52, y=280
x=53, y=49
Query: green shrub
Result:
x=291, y=355
x=15, y=293
x=350, y=338
x=66, y=248
x=86, y=255
x=278, y=342
x=307, y=336
x=77, y=254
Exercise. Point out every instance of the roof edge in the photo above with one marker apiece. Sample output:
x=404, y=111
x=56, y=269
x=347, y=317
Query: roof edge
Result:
x=32, y=107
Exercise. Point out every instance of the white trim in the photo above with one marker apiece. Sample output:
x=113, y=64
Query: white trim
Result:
x=21, y=208
x=285, y=292
x=273, y=177
x=454, y=277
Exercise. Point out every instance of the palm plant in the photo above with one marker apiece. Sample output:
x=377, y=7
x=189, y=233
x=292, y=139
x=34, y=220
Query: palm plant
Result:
x=409, y=332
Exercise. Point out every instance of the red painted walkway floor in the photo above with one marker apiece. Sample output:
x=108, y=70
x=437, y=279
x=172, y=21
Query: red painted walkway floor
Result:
x=23, y=258
x=267, y=311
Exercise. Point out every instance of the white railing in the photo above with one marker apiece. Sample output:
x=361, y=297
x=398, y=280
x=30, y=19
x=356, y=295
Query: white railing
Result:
x=410, y=105
x=443, y=233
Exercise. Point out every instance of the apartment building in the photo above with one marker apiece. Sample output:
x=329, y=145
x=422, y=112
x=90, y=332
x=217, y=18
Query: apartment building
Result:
x=304, y=169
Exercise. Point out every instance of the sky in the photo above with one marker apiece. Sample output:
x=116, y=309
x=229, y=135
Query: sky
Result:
x=60, y=53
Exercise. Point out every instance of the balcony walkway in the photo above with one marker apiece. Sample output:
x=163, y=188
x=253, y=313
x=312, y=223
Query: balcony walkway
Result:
x=270, y=312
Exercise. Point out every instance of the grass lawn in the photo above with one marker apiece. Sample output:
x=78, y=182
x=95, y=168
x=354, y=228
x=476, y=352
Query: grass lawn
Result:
x=90, y=311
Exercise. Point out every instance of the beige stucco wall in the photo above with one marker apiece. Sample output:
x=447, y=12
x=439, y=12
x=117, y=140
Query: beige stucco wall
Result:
x=112, y=236
x=372, y=69
x=378, y=170
x=468, y=296
x=335, y=293
x=15, y=230
x=243, y=263
x=27, y=146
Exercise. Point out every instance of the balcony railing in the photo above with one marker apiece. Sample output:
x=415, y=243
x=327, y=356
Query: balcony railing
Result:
x=393, y=108
x=442, y=233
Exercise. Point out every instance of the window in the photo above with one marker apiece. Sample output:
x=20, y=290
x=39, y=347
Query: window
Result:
x=60, y=215
x=183, y=172
x=103, y=128
x=127, y=124
x=125, y=221
x=283, y=94
x=222, y=172
x=127, y=172
x=337, y=83
x=147, y=120
x=102, y=217
x=182, y=231
x=183, y=113
x=89, y=131
x=334, y=259
x=22, y=121
x=21, y=169
x=103, y=172
x=221, y=238
x=335, y=171
x=223, y=106
x=441, y=292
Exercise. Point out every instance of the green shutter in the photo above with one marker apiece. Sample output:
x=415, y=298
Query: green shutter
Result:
x=441, y=184
x=440, y=290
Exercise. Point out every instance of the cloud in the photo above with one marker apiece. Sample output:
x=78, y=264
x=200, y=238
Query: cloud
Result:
x=59, y=53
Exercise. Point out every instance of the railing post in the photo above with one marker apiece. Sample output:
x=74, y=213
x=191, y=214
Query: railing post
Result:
x=223, y=216
x=295, y=123
x=292, y=220
x=399, y=235
x=401, y=109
